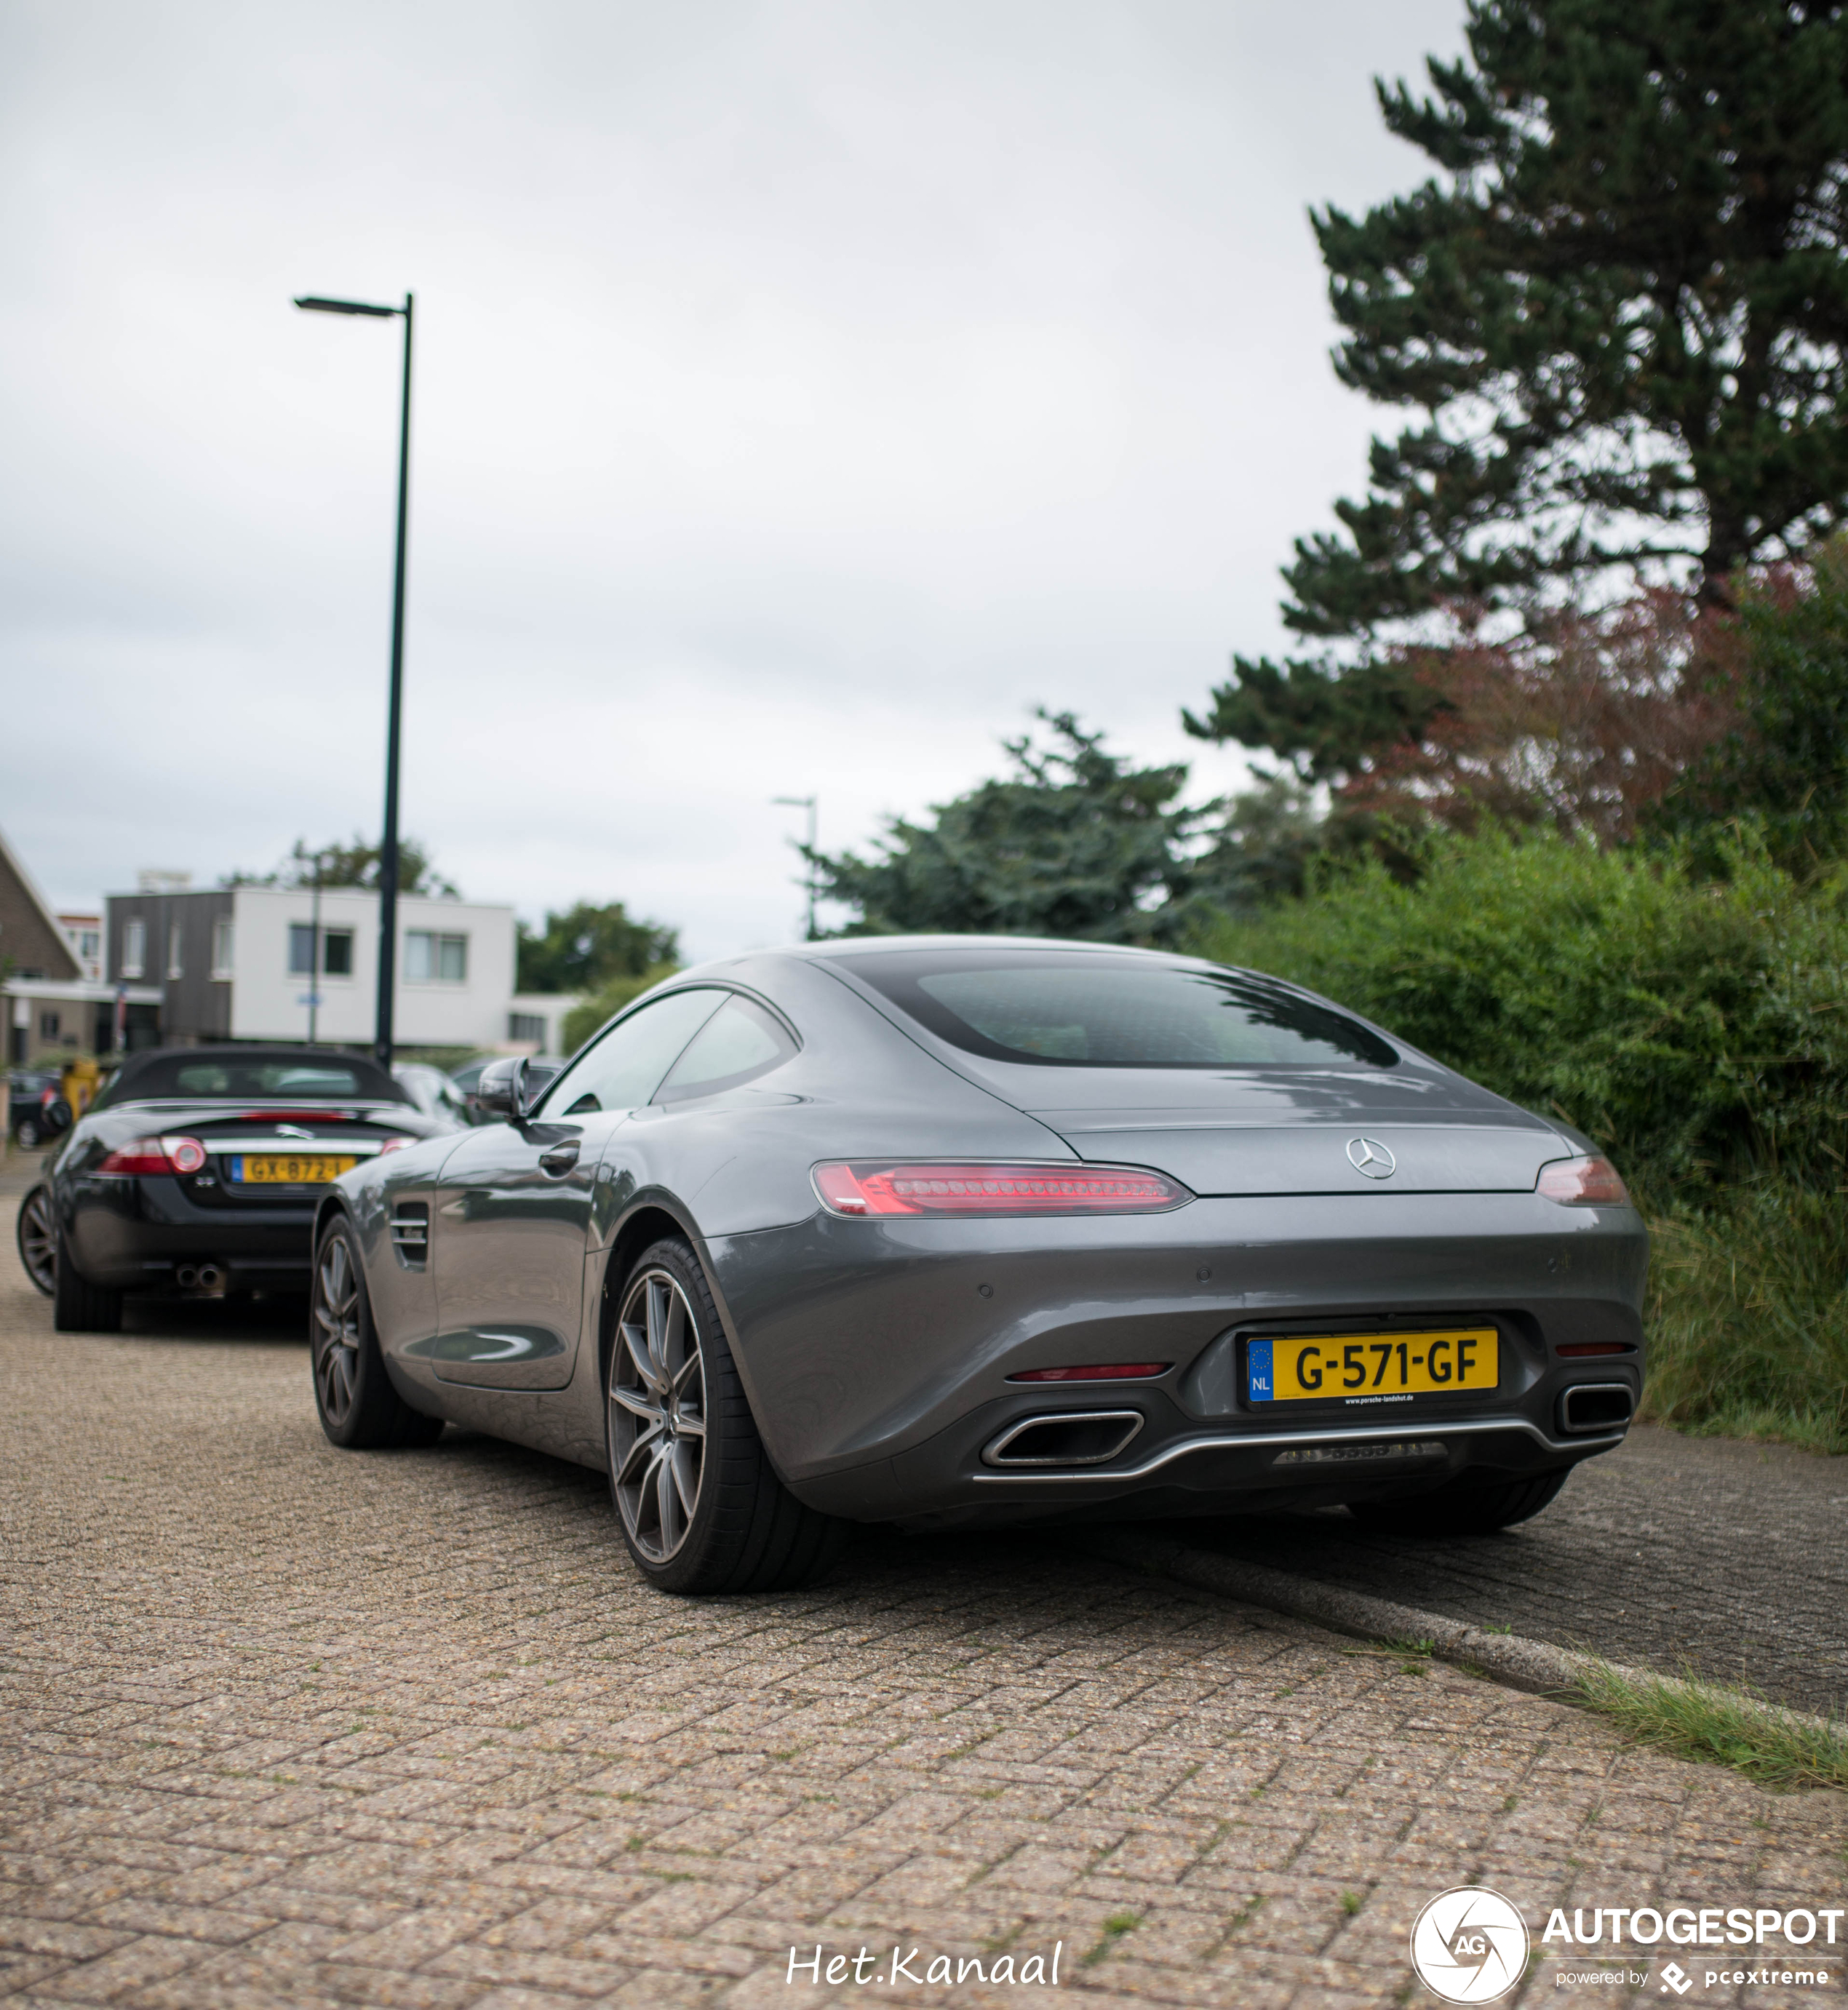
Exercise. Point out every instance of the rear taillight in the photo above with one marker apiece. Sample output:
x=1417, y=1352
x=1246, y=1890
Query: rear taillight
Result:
x=156, y=1155
x=1582, y=1182
x=884, y=1188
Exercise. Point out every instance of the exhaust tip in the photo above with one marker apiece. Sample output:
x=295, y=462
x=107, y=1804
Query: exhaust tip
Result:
x=1070, y=1437
x=186, y=1276
x=1596, y=1406
x=210, y=1278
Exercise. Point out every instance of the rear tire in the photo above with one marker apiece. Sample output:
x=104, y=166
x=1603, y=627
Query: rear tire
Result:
x=1461, y=1510
x=700, y=1508
x=360, y=1410
x=37, y=1233
x=77, y=1305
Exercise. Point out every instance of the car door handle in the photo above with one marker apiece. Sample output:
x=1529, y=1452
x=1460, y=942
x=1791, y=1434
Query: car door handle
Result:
x=561, y=1158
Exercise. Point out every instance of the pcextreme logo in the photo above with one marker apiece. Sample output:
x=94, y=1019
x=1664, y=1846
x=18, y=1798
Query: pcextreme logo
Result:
x=1470, y=1945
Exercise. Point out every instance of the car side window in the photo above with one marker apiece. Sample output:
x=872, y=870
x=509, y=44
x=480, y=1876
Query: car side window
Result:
x=624, y=1067
x=736, y=1044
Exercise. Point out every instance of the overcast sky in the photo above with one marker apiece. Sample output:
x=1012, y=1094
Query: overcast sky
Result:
x=804, y=393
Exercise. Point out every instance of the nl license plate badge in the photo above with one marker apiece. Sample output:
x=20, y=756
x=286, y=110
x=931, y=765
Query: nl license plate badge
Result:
x=277, y=1169
x=1362, y=1367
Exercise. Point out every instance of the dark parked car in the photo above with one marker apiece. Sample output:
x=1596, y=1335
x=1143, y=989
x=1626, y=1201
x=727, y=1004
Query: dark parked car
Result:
x=37, y=1110
x=954, y=1232
x=196, y=1172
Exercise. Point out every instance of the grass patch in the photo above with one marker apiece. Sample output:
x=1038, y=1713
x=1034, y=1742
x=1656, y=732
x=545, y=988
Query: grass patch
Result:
x=1694, y=1720
x=1748, y=1316
x=1114, y=1928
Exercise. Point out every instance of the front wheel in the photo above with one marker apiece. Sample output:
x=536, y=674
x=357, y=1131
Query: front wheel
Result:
x=359, y=1409
x=37, y=1234
x=700, y=1509
x=1462, y=1509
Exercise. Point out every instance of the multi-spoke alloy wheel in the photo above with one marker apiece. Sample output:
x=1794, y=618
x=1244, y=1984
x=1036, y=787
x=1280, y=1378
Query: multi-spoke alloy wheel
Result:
x=657, y=1416
x=38, y=1241
x=336, y=1331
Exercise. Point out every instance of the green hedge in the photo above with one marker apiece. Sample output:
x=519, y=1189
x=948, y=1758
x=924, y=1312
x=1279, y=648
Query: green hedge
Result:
x=1693, y=1025
x=1697, y=1028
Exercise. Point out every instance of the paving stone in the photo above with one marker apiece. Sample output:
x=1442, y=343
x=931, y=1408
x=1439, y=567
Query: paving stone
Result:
x=280, y=1725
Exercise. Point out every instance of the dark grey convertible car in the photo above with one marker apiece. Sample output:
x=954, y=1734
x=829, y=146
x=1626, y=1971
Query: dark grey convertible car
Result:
x=959, y=1232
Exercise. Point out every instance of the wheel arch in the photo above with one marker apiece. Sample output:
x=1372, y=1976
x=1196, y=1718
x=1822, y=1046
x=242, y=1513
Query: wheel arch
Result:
x=647, y=1221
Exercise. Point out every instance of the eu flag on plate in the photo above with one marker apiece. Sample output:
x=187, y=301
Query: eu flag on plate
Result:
x=1258, y=1387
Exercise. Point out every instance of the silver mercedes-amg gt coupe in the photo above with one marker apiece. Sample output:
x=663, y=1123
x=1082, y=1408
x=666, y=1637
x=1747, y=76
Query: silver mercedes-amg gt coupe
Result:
x=955, y=1232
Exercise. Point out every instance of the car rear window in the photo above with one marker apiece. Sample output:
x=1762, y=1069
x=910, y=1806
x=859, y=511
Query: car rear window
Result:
x=235, y=1077
x=1080, y=1010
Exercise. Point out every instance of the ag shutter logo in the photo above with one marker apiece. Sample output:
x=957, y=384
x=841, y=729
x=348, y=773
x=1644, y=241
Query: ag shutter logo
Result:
x=1676, y=1977
x=1470, y=1945
x=1369, y=1156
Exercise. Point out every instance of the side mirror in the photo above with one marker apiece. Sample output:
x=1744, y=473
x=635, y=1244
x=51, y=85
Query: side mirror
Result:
x=500, y=1090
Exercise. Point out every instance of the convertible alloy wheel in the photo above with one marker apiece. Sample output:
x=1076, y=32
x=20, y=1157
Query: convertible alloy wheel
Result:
x=38, y=1241
x=337, y=1333
x=657, y=1416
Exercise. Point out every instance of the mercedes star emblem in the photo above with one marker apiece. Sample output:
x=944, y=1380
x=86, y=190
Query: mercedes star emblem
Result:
x=1369, y=1156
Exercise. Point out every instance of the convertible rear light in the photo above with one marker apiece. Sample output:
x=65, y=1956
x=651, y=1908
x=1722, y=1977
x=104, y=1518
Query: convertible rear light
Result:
x=1582, y=1182
x=155, y=1155
x=296, y=1115
x=1124, y=1371
x=882, y=1188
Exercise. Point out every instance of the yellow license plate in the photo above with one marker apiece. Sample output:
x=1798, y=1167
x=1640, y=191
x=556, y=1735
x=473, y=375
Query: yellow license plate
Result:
x=1354, y=1366
x=274, y=1170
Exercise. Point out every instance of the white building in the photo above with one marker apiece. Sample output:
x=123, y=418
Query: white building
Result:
x=241, y=964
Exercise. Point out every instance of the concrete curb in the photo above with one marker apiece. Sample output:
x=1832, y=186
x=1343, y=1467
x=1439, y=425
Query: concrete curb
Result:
x=1519, y=1664
x=1532, y=1665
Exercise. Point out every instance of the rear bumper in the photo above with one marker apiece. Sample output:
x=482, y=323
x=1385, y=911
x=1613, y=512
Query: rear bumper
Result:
x=132, y=1234
x=877, y=1354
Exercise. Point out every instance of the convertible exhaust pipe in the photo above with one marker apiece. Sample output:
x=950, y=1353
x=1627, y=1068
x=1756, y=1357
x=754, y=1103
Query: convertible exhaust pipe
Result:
x=1070, y=1437
x=210, y=1278
x=186, y=1276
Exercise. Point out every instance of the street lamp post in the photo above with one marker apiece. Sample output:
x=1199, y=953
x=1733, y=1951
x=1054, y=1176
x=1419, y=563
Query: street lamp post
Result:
x=388, y=843
x=811, y=805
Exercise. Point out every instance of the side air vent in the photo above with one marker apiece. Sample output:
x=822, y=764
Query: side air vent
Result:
x=1596, y=1406
x=1074, y=1437
x=410, y=1232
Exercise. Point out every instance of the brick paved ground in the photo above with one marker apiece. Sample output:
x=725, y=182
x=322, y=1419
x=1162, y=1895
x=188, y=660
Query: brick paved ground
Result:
x=1671, y=1552
x=283, y=1725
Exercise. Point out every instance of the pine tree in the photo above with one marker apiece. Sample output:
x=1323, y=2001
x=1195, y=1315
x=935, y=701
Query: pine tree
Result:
x=1620, y=311
x=1075, y=843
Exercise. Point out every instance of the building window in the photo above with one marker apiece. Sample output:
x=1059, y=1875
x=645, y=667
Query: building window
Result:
x=48, y=1025
x=134, y=948
x=526, y=1026
x=89, y=945
x=175, y=967
x=430, y=958
x=336, y=951
x=223, y=944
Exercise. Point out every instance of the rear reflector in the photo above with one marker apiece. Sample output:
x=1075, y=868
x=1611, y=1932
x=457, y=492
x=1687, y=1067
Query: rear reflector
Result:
x=1582, y=1182
x=1124, y=1371
x=155, y=1155
x=870, y=1187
